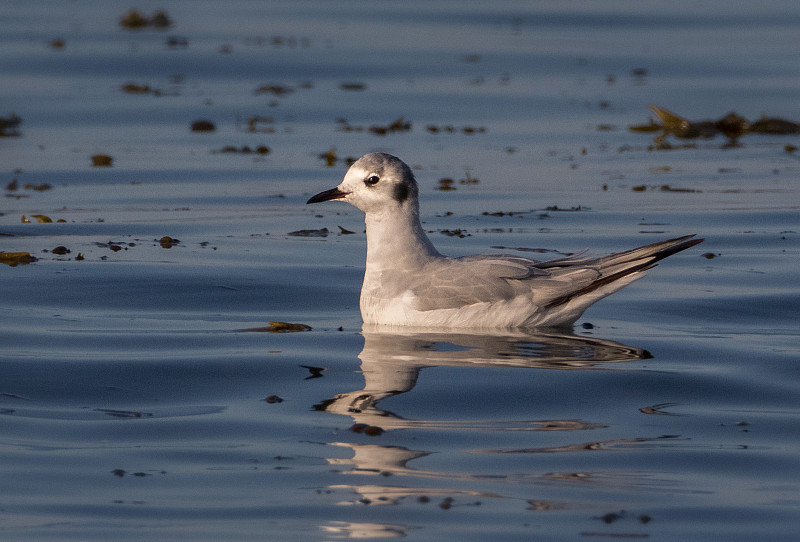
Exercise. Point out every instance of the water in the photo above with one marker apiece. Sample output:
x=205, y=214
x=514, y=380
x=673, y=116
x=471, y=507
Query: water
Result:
x=134, y=402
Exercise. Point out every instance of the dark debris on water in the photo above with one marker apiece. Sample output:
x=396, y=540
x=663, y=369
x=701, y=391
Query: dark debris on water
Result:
x=732, y=126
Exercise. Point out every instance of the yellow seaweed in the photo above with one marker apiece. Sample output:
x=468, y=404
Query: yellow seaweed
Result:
x=39, y=218
x=16, y=258
x=280, y=327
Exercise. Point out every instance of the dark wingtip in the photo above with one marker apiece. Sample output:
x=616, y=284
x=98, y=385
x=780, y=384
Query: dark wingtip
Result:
x=680, y=245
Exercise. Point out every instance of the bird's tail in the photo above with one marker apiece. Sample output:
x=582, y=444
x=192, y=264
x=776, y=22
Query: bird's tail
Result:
x=616, y=267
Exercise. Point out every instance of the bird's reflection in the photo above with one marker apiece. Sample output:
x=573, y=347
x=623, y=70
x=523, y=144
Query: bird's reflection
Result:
x=392, y=361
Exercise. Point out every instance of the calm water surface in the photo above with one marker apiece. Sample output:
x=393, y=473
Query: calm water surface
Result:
x=133, y=387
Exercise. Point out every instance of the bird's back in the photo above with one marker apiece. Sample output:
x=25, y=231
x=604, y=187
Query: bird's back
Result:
x=485, y=291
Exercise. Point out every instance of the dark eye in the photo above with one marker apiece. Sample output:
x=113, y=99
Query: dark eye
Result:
x=371, y=180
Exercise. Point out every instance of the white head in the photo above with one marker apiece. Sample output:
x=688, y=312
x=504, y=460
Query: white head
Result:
x=376, y=182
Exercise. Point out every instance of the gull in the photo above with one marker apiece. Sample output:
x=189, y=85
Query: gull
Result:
x=407, y=282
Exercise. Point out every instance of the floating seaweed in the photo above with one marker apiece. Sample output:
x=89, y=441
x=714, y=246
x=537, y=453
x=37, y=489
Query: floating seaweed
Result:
x=133, y=88
x=116, y=246
x=331, y=158
x=732, y=126
x=102, y=160
x=41, y=219
x=399, y=125
x=450, y=129
x=203, y=126
x=310, y=233
x=280, y=327
x=9, y=125
x=133, y=20
x=353, y=86
x=244, y=149
x=168, y=242
x=276, y=90
x=446, y=184
x=14, y=259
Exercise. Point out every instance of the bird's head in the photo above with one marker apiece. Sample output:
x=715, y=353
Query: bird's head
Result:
x=375, y=182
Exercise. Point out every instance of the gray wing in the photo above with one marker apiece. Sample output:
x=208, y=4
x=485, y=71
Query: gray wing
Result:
x=455, y=282
x=452, y=283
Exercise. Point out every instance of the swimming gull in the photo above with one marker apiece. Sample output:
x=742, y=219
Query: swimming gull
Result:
x=408, y=282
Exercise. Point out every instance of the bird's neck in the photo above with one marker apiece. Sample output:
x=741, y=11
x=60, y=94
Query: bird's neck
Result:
x=397, y=239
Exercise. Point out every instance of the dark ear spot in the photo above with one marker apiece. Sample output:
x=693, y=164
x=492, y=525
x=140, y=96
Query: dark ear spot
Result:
x=401, y=192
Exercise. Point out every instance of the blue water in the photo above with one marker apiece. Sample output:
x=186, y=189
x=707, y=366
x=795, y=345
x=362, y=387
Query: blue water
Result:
x=133, y=389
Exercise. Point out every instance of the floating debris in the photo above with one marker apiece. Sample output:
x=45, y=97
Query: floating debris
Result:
x=683, y=128
x=14, y=259
x=773, y=126
x=345, y=126
x=651, y=126
x=133, y=88
x=116, y=246
x=450, y=129
x=42, y=219
x=57, y=44
x=279, y=327
x=612, y=517
x=38, y=187
x=310, y=233
x=228, y=149
x=446, y=184
x=279, y=41
x=564, y=209
x=168, y=242
x=732, y=126
x=203, y=126
x=399, y=125
x=461, y=234
x=9, y=125
x=663, y=188
x=353, y=86
x=61, y=250
x=273, y=399
x=282, y=327
x=329, y=157
x=102, y=160
x=277, y=90
x=133, y=20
